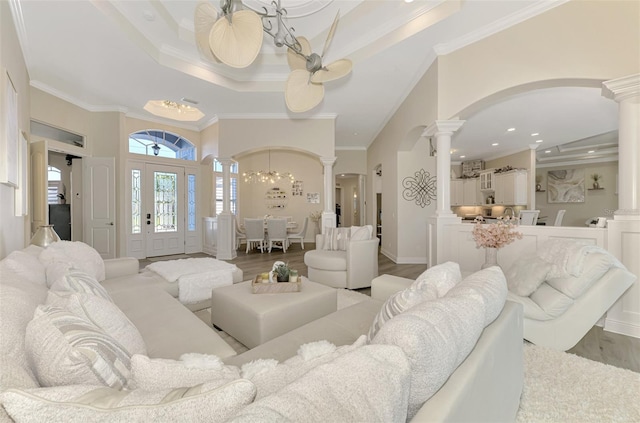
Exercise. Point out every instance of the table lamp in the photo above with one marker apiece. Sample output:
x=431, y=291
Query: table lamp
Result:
x=44, y=236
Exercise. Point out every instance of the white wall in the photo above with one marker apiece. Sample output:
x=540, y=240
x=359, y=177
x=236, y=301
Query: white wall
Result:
x=14, y=231
x=412, y=218
x=304, y=167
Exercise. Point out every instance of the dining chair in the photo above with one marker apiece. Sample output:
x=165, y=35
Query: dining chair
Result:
x=240, y=234
x=559, y=217
x=299, y=235
x=254, y=229
x=277, y=232
x=529, y=217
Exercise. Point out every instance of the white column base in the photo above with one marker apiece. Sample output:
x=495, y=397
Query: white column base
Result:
x=226, y=232
x=328, y=220
x=435, y=244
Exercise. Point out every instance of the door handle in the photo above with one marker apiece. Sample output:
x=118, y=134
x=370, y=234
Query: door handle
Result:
x=110, y=224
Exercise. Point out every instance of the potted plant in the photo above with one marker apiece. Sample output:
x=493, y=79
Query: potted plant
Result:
x=281, y=271
x=596, y=177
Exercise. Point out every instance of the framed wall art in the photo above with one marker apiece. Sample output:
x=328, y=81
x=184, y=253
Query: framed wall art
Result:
x=296, y=189
x=565, y=186
x=9, y=135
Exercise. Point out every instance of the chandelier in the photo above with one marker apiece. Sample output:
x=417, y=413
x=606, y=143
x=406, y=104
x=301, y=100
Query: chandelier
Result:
x=173, y=110
x=266, y=177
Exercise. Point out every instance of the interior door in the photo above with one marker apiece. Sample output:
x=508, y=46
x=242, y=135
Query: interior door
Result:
x=99, y=204
x=164, y=215
x=39, y=165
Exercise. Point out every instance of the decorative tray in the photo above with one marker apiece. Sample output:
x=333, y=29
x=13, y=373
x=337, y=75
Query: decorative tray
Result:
x=258, y=287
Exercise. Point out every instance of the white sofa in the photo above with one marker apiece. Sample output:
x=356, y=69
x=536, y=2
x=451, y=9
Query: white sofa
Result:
x=353, y=267
x=486, y=384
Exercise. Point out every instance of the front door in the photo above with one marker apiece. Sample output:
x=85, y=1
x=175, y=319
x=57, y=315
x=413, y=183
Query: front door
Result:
x=164, y=210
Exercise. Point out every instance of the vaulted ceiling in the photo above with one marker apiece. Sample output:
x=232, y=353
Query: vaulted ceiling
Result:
x=118, y=54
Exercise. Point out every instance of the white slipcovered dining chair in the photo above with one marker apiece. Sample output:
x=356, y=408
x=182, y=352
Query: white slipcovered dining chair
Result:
x=240, y=234
x=559, y=217
x=277, y=232
x=254, y=229
x=529, y=217
x=299, y=235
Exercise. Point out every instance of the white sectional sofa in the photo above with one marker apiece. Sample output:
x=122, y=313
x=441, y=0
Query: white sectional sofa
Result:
x=335, y=375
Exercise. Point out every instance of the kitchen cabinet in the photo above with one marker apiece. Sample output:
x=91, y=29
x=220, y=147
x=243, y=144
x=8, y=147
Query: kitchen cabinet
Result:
x=457, y=192
x=511, y=188
x=471, y=193
x=487, y=181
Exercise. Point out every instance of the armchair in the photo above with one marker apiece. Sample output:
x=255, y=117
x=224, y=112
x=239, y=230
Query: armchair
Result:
x=352, y=268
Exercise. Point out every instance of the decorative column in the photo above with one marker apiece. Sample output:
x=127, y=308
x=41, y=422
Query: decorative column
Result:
x=623, y=233
x=226, y=225
x=532, y=176
x=328, y=214
x=442, y=130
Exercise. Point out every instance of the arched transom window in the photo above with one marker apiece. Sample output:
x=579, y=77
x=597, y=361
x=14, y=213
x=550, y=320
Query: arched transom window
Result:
x=154, y=142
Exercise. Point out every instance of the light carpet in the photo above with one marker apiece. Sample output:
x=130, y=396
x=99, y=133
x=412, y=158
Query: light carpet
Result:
x=558, y=387
x=565, y=388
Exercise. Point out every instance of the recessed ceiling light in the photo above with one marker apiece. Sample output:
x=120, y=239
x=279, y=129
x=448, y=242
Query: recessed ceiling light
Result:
x=462, y=157
x=538, y=141
x=547, y=151
x=511, y=129
x=591, y=151
x=408, y=1
x=535, y=134
x=494, y=144
x=355, y=133
x=148, y=15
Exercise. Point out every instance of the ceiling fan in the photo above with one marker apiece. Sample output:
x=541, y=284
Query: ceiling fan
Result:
x=235, y=38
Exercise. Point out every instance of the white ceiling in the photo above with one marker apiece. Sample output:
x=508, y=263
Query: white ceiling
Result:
x=116, y=55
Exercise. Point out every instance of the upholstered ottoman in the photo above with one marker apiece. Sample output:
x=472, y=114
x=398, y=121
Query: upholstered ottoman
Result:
x=254, y=319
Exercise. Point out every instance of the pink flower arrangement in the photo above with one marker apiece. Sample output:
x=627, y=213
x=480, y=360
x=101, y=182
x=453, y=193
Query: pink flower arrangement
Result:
x=495, y=235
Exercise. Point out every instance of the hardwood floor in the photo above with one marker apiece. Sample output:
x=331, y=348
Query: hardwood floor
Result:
x=598, y=345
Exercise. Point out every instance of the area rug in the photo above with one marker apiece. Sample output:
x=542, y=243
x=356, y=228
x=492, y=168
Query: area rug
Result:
x=565, y=388
x=165, y=258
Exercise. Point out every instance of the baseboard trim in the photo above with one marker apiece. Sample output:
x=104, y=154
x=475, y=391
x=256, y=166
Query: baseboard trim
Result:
x=412, y=260
x=387, y=254
x=622, y=328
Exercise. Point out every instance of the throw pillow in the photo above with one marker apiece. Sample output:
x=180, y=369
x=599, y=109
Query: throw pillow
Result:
x=26, y=266
x=153, y=374
x=77, y=254
x=436, y=281
x=104, y=314
x=368, y=384
x=336, y=239
x=75, y=280
x=361, y=233
x=595, y=266
x=394, y=305
x=273, y=376
x=488, y=287
x=526, y=274
x=436, y=337
x=67, y=350
x=67, y=404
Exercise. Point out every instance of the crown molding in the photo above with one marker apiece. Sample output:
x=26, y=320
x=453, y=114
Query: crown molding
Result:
x=70, y=99
x=18, y=19
x=497, y=26
x=576, y=162
x=167, y=122
x=622, y=88
x=350, y=148
x=274, y=116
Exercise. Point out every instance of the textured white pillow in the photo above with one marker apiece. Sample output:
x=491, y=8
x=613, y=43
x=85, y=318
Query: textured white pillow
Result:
x=336, y=239
x=77, y=254
x=153, y=374
x=104, y=314
x=526, y=274
x=436, y=281
x=552, y=301
x=368, y=384
x=361, y=233
x=26, y=266
x=488, y=287
x=75, y=280
x=201, y=403
x=436, y=337
x=595, y=266
x=276, y=376
x=394, y=305
x=68, y=350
